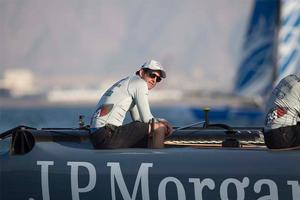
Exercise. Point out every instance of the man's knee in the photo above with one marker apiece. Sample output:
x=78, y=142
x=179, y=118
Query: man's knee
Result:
x=159, y=128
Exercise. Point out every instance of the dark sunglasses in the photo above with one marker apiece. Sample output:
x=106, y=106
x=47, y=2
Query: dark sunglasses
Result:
x=152, y=75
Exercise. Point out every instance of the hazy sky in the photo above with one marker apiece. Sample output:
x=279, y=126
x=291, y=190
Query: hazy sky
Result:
x=77, y=42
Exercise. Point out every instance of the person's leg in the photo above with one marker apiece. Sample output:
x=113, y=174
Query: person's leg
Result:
x=296, y=141
x=158, y=136
x=100, y=137
x=279, y=138
x=134, y=134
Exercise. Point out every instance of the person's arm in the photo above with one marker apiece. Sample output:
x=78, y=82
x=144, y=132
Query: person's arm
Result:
x=134, y=113
x=139, y=92
x=142, y=105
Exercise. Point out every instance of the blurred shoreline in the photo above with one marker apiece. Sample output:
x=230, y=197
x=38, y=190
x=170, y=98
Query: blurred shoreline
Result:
x=32, y=103
x=158, y=100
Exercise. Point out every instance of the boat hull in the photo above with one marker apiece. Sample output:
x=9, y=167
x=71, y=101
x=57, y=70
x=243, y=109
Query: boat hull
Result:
x=70, y=170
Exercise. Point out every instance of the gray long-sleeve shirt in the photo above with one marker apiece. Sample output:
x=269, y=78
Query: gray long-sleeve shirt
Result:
x=283, y=106
x=128, y=94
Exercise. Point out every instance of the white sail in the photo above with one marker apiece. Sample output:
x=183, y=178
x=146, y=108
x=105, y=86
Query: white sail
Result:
x=289, y=39
x=256, y=70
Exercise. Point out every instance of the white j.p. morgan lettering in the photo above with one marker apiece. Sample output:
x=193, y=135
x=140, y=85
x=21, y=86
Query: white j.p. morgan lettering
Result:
x=162, y=188
x=198, y=186
x=201, y=187
x=142, y=178
x=74, y=178
x=272, y=188
x=240, y=188
x=295, y=189
x=45, y=178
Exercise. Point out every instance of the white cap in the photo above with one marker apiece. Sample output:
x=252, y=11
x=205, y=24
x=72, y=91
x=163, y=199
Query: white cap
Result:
x=154, y=65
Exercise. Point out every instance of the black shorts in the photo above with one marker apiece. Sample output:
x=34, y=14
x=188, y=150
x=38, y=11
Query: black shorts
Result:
x=134, y=134
x=283, y=137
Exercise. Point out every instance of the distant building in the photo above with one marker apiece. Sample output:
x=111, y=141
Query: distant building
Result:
x=75, y=95
x=5, y=93
x=20, y=82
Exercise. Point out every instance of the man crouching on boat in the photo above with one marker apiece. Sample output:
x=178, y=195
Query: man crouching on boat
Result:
x=130, y=94
x=282, y=128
